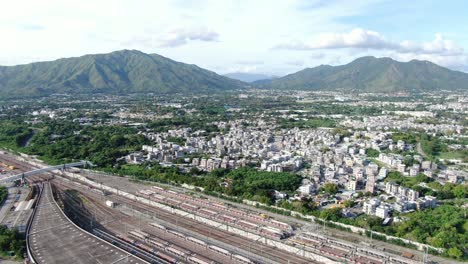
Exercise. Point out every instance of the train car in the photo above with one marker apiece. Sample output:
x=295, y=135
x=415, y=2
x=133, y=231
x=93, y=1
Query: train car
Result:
x=226, y=218
x=143, y=233
x=189, y=207
x=172, y=201
x=158, y=226
x=247, y=225
x=176, y=233
x=203, y=201
x=157, y=188
x=315, y=236
x=281, y=225
x=261, y=217
x=157, y=197
x=272, y=233
x=161, y=244
x=199, y=260
x=237, y=212
x=219, y=250
x=126, y=239
x=207, y=212
x=185, y=196
x=166, y=257
x=334, y=251
x=136, y=235
x=173, y=193
x=197, y=241
x=146, y=193
x=145, y=248
x=343, y=245
x=139, y=234
x=242, y=259
x=178, y=251
x=218, y=206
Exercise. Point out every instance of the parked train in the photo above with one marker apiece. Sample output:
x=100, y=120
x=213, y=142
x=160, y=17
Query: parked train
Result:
x=163, y=245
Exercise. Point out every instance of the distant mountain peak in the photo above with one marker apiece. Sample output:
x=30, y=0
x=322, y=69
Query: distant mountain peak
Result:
x=118, y=72
x=371, y=74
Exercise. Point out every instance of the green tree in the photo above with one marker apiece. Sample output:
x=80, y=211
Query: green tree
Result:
x=330, y=188
x=460, y=191
x=333, y=214
x=455, y=252
x=372, y=153
x=349, y=203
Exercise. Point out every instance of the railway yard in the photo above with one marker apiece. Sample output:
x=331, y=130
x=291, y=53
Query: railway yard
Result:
x=162, y=225
x=54, y=239
x=130, y=217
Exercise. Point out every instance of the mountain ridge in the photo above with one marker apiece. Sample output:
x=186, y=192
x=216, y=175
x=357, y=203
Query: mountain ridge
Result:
x=118, y=72
x=132, y=71
x=371, y=74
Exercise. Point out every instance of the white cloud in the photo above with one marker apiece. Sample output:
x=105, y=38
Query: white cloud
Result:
x=356, y=38
x=438, y=46
x=359, y=38
x=210, y=33
x=182, y=36
x=240, y=69
x=457, y=62
x=440, y=50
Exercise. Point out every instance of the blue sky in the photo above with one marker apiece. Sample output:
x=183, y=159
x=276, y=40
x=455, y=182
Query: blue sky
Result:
x=259, y=36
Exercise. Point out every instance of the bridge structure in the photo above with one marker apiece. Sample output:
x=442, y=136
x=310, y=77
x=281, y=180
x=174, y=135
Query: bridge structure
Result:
x=23, y=175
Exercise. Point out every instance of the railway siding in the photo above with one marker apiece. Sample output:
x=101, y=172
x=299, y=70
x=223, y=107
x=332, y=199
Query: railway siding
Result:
x=267, y=241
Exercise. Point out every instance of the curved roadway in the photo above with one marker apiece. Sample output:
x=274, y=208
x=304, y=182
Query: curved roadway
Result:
x=53, y=238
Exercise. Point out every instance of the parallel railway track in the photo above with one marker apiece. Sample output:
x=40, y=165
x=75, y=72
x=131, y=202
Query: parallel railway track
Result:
x=212, y=233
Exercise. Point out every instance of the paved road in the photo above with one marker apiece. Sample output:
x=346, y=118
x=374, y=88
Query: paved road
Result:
x=54, y=239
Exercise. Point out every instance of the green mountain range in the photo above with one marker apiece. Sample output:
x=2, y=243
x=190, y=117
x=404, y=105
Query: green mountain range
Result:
x=370, y=74
x=131, y=71
x=119, y=72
